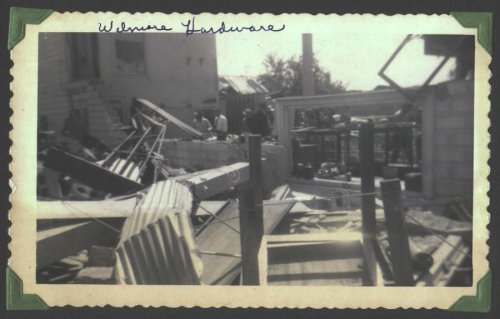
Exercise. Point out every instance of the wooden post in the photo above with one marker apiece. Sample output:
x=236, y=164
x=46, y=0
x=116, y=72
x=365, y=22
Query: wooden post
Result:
x=307, y=65
x=386, y=147
x=367, y=163
x=368, y=219
x=251, y=215
x=348, y=150
x=339, y=147
x=396, y=229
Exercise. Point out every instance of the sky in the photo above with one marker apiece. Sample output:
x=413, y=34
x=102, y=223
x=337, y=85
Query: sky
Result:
x=353, y=57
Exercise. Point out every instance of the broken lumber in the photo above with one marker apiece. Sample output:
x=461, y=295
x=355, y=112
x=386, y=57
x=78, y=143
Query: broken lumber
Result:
x=222, y=270
x=90, y=173
x=314, y=259
x=172, y=119
x=57, y=210
x=447, y=258
x=251, y=214
x=84, y=209
x=396, y=229
x=207, y=183
x=58, y=242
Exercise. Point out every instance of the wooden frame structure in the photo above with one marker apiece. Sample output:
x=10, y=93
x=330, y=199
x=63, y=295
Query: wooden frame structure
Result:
x=285, y=117
x=286, y=107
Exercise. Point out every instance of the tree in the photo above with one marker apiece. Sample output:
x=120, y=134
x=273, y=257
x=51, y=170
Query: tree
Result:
x=286, y=77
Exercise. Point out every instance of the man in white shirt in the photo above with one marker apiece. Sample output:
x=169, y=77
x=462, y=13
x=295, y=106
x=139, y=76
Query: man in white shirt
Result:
x=220, y=126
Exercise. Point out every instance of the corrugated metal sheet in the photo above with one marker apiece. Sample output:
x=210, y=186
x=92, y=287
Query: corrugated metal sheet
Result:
x=157, y=245
x=241, y=84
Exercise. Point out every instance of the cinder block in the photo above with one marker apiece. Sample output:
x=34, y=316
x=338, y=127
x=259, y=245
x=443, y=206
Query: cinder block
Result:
x=463, y=171
x=441, y=170
x=452, y=121
x=447, y=187
x=464, y=139
x=460, y=88
x=463, y=103
x=449, y=154
x=443, y=138
x=469, y=120
x=443, y=106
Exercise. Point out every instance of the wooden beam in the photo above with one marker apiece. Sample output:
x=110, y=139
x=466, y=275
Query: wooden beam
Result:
x=447, y=258
x=210, y=182
x=368, y=216
x=172, y=119
x=251, y=214
x=367, y=162
x=396, y=229
x=220, y=270
x=84, y=209
x=58, y=210
x=59, y=242
x=90, y=173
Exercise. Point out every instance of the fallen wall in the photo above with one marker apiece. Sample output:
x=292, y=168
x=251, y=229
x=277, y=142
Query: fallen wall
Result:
x=200, y=155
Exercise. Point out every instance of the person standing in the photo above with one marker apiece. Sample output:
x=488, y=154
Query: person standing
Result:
x=220, y=124
x=202, y=124
x=246, y=122
x=260, y=121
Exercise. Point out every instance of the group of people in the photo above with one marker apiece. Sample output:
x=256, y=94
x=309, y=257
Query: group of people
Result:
x=253, y=122
x=258, y=122
x=203, y=125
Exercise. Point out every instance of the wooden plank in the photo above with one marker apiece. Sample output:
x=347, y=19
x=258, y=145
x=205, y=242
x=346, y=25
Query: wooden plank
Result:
x=398, y=236
x=251, y=214
x=172, y=119
x=84, y=209
x=281, y=192
x=54, y=210
x=59, y=242
x=221, y=270
x=367, y=162
x=90, y=173
x=447, y=258
x=313, y=259
x=369, y=223
x=208, y=183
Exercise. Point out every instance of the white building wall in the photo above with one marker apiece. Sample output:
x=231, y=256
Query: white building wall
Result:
x=179, y=70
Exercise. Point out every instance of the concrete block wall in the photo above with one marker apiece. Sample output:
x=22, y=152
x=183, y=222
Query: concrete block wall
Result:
x=89, y=95
x=180, y=70
x=454, y=139
x=200, y=155
x=53, y=74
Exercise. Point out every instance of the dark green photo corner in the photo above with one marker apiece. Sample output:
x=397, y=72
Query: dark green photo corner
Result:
x=17, y=300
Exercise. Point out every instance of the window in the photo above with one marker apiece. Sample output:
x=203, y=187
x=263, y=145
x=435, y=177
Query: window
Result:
x=130, y=56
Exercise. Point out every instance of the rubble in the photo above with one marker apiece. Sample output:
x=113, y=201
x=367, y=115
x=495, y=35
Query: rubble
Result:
x=137, y=220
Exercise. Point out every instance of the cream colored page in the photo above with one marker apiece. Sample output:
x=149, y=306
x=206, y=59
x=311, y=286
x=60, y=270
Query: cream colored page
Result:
x=23, y=168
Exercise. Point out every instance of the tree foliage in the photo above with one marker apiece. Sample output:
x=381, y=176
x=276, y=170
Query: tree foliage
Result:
x=286, y=76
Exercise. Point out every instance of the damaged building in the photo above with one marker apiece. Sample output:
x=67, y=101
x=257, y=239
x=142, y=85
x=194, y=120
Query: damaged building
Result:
x=99, y=74
x=323, y=202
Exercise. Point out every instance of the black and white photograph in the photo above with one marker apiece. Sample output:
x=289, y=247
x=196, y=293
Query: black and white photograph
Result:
x=249, y=160
x=317, y=159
